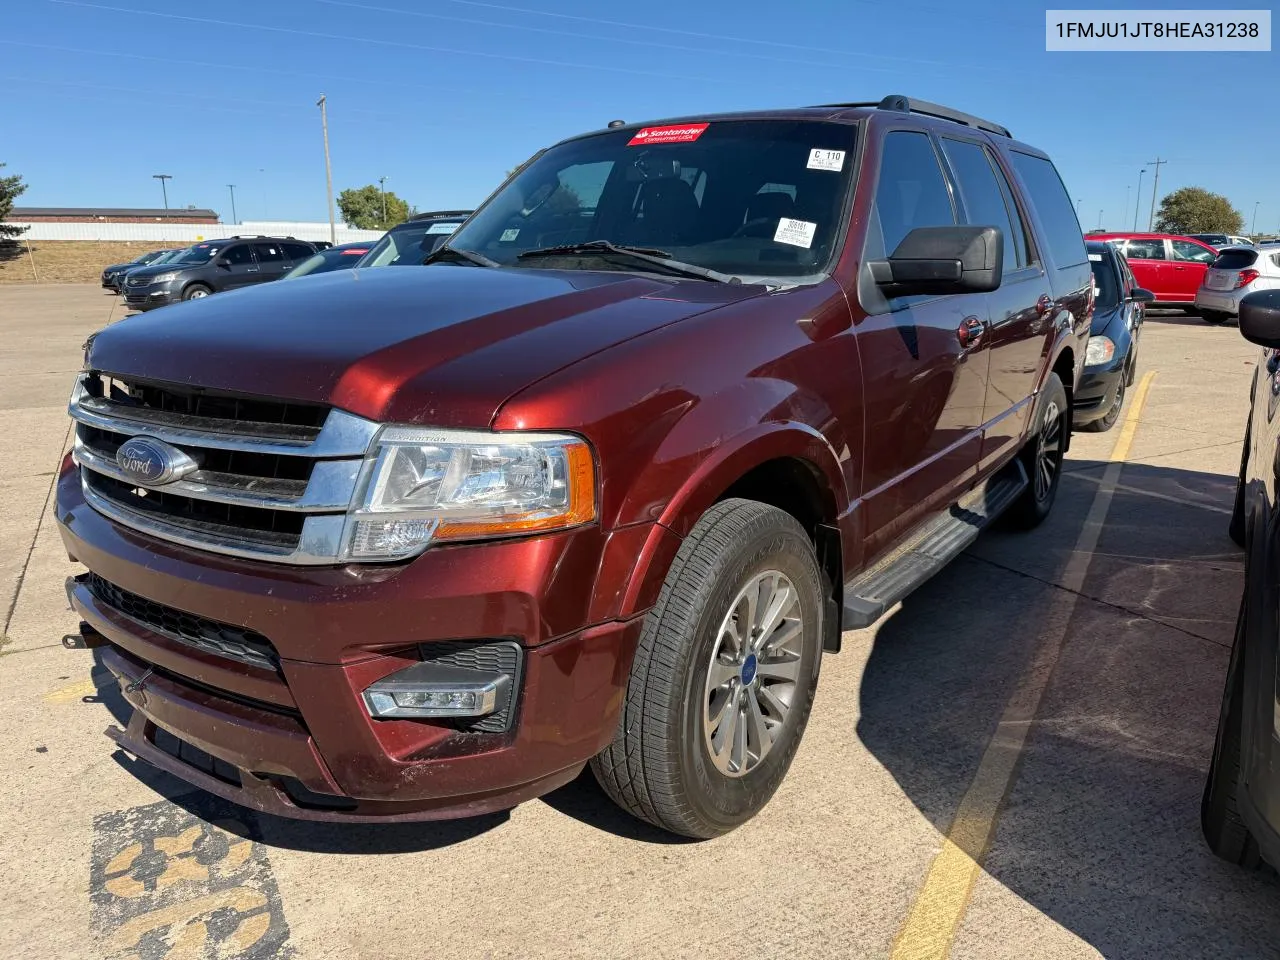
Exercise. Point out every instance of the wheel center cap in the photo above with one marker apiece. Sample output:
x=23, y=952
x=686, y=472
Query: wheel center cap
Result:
x=749, y=669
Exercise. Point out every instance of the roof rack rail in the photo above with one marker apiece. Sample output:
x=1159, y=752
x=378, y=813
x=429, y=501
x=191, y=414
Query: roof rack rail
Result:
x=441, y=213
x=260, y=236
x=901, y=104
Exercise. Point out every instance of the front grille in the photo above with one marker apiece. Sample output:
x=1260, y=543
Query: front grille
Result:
x=273, y=478
x=498, y=656
x=137, y=281
x=212, y=636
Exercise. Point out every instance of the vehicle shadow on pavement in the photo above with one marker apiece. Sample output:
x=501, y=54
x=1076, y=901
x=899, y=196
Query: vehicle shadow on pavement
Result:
x=1100, y=829
x=303, y=835
x=1178, y=318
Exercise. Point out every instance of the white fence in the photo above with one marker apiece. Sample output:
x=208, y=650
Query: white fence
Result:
x=191, y=232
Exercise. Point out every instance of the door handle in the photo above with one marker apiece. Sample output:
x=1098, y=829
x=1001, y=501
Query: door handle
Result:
x=970, y=331
x=1044, y=304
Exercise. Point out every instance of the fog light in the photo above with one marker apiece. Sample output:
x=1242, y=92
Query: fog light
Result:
x=436, y=690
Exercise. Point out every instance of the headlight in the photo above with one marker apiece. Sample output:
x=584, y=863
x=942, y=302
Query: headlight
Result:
x=421, y=485
x=163, y=278
x=1100, y=350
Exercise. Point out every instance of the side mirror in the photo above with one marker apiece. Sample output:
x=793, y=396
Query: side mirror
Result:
x=1260, y=318
x=942, y=261
x=1141, y=295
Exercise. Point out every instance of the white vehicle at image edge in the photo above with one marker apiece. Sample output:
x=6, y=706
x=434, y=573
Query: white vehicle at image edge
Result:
x=1238, y=272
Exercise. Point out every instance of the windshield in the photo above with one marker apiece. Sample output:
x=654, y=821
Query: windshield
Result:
x=169, y=257
x=1107, y=291
x=408, y=245
x=151, y=257
x=751, y=198
x=200, y=253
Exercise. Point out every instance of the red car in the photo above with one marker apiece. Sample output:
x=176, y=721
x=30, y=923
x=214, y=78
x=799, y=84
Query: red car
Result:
x=1169, y=266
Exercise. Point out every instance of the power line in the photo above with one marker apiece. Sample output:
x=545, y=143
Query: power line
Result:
x=368, y=8
x=294, y=31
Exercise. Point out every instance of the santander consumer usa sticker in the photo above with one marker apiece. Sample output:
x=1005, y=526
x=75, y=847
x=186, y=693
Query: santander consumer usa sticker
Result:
x=677, y=133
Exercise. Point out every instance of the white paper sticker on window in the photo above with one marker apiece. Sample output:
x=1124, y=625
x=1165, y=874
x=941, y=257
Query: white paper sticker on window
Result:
x=509, y=234
x=1097, y=257
x=797, y=233
x=442, y=228
x=825, y=159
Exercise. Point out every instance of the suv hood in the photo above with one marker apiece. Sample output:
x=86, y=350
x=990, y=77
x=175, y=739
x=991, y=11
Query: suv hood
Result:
x=154, y=270
x=442, y=344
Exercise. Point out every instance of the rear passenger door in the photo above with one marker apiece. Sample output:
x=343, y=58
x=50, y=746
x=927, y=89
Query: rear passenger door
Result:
x=297, y=252
x=925, y=377
x=1020, y=310
x=272, y=264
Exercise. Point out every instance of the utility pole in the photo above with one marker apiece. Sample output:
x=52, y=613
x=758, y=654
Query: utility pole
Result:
x=382, y=182
x=1138, y=202
x=162, y=177
x=1099, y=218
x=1253, y=227
x=328, y=171
x=1155, y=191
x=232, y=188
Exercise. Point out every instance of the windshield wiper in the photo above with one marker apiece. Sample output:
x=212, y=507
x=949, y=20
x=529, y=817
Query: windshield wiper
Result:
x=659, y=258
x=470, y=256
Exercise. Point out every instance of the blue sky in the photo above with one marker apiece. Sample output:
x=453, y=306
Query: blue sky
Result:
x=442, y=96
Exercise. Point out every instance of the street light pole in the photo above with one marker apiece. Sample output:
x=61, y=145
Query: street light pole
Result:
x=1137, y=203
x=1099, y=218
x=382, y=182
x=232, y=188
x=162, y=177
x=328, y=170
x=1078, y=202
x=1155, y=190
x=1253, y=227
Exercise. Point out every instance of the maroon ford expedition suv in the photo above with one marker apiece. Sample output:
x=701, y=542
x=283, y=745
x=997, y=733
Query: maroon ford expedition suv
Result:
x=598, y=484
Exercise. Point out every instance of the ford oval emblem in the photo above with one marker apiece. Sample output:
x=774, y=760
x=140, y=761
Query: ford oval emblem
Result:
x=152, y=462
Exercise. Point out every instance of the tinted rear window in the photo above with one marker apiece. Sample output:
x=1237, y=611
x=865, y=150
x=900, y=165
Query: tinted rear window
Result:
x=1235, y=259
x=1057, y=213
x=1104, y=278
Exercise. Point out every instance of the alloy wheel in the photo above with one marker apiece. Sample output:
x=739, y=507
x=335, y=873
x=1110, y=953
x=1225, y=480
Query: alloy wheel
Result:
x=1048, y=450
x=753, y=675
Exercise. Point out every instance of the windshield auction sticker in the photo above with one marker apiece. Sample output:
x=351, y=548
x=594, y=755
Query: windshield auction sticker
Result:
x=825, y=160
x=1145, y=30
x=797, y=233
x=685, y=133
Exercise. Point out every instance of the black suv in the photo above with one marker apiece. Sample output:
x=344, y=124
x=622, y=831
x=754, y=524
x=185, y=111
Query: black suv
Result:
x=214, y=266
x=114, y=274
x=410, y=243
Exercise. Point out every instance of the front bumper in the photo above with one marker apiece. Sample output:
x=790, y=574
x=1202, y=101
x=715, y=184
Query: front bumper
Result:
x=148, y=298
x=1096, y=392
x=299, y=739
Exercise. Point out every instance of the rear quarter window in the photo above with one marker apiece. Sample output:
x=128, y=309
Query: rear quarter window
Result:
x=1057, y=214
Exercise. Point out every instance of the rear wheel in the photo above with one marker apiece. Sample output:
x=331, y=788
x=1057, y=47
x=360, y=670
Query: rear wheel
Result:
x=196, y=291
x=1224, y=830
x=1043, y=456
x=1214, y=317
x=724, y=676
x=1106, y=422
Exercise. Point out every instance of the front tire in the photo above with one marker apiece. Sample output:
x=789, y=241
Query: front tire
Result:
x=1043, y=456
x=197, y=291
x=724, y=676
x=1106, y=422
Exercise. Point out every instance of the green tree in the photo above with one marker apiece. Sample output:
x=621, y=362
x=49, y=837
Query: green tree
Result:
x=1196, y=210
x=10, y=189
x=363, y=207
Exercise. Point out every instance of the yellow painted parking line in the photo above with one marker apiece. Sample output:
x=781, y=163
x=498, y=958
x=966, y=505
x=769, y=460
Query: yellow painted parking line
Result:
x=77, y=691
x=930, y=926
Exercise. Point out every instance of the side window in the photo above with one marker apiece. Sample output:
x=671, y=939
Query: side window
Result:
x=1182, y=250
x=984, y=200
x=296, y=251
x=238, y=255
x=1145, y=250
x=1053, y=205
x=1275, y=258
x=268, y=252
x=911, y=193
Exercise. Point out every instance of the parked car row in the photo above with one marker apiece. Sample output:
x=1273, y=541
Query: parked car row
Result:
x=1191, y=273
x=161, y=277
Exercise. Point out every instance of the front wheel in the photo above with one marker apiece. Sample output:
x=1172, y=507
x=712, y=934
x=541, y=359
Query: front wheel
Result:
x=197, y=291
x=724, y=675
x=1043, y=456
x=1106, y=422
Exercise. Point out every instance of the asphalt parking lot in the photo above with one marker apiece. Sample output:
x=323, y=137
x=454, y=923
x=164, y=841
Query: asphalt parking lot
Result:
x=1008, y=766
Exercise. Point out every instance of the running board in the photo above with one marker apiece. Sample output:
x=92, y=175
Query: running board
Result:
x=935, y=544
